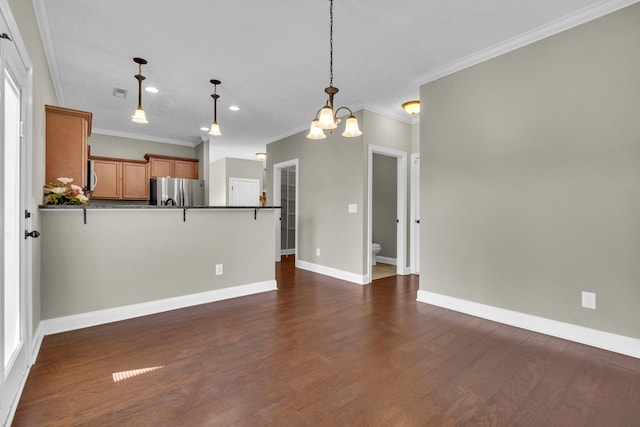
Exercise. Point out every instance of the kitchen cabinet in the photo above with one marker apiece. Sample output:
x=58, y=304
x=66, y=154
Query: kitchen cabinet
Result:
x=135, y=180
x=67, y=133
x=120, y=179
x=175, y=167
x=108, y=179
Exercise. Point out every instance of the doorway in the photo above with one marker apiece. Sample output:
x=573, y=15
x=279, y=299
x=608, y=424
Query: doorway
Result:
x=285, y=194
x=399, y=179
x=15, y=200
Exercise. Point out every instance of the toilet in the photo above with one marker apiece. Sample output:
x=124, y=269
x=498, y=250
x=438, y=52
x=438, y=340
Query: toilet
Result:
x=375, y=248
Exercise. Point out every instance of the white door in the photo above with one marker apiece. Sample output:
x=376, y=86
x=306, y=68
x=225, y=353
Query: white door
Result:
x=244, y=192
x=15, y=250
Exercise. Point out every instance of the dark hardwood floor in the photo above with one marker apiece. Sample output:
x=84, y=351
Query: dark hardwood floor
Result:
x=324, y=352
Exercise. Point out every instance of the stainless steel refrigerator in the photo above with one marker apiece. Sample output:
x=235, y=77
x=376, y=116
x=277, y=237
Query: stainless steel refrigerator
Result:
x=177, y=192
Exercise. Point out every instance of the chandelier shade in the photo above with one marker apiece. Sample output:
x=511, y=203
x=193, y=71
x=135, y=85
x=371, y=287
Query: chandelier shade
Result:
x=411, y=107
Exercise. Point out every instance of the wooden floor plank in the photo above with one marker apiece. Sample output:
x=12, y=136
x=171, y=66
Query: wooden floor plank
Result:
x=321, y=351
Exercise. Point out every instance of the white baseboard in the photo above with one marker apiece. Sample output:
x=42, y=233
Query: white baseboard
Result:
x=333, y=272
x=386, y=260
x=85, y=320
x=288, y=251
x=593, y=337
x=36, y=343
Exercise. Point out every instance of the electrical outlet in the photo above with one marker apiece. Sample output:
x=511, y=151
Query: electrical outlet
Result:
x=219, y=270
x=317, y=251
x=589, y=300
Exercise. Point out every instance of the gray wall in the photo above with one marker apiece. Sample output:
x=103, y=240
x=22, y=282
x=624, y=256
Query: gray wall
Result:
x=530, y=177
x=135, y=149
x=141, y=255
x=384, y=203
x=43, y=93
x=332, y=175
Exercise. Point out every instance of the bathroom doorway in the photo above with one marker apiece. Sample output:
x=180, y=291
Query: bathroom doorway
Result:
x=285, y=195
x=387, y=211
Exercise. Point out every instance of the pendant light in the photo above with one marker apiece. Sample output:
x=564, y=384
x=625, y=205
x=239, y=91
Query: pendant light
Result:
x=139, y=116
x=326, y=117
x=215, y=129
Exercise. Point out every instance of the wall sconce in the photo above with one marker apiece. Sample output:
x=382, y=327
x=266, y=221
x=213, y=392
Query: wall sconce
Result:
x=139, y=116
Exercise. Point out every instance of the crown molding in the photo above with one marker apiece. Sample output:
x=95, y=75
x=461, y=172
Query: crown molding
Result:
x=142, y=137
x=554, y=27
x=44, y=25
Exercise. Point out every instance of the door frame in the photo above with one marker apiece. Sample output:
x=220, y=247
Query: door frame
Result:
x=414, y=244
x=14, y=56
x=277, y=182
x=401, y=206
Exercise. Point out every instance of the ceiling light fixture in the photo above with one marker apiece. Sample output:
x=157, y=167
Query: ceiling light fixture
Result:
x=411, y=107
x=215, y=129
x=261, y=155
x=139, y=116
x=326, y=117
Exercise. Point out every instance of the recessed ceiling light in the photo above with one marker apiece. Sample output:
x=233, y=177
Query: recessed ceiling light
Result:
x=234, y=108
x=204, y=128
x=151, y=89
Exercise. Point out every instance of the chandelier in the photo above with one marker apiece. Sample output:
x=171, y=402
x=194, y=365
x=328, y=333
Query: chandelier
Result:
x=326, y=117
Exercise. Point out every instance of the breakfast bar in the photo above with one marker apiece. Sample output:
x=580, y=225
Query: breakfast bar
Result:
x=102, y=264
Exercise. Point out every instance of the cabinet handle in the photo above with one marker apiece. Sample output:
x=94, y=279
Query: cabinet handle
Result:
x=95, y=179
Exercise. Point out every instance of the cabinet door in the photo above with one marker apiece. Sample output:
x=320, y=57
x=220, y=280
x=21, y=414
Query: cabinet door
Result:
x=161, y=167
x=135, y=181
x=186, y=169
x=66, y=144
x=108, y=183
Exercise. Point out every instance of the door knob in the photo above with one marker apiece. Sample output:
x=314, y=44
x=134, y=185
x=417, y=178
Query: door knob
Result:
x=34, y=234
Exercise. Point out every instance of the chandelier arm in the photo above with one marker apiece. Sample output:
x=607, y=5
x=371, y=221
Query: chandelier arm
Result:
x=343, y=108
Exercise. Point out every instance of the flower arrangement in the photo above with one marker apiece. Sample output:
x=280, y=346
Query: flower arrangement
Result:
x=64, y=193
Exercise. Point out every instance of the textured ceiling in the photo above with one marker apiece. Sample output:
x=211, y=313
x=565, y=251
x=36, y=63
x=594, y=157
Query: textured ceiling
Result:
x=273, y=57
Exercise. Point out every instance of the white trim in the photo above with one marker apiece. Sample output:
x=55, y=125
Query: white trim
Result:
x=414, y=238
x=85, y=320
x=288, y=251
x=142, y=137
x=36, y=343
x=593, y=337
x=44, y=25
x=554, y=27
x=333, y=272
x=401, y=214
x=277, y=182
x=386, y=260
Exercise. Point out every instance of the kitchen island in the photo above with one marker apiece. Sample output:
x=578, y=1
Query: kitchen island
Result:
x=102, y=264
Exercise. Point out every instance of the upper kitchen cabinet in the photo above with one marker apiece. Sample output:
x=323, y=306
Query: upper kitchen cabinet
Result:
x=120, y=179
x=175, y=167
x=67, y=133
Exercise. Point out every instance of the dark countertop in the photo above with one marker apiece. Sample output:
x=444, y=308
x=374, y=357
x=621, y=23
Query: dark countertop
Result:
x=152, y=207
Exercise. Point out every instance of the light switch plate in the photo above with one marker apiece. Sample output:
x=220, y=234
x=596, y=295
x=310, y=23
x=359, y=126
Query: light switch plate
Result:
x=219, y=270
x=353, y=208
